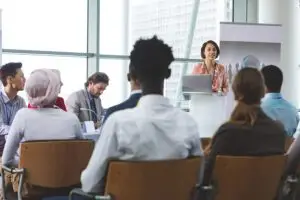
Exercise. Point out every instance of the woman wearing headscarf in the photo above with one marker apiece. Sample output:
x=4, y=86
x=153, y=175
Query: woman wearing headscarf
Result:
x=42, y=88
x=43, y=123
x=60, y=102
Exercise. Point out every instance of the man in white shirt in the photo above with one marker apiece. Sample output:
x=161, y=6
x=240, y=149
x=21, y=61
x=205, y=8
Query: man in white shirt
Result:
x=153, y=130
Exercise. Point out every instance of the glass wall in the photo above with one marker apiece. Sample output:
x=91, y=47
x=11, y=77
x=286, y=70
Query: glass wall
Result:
x=55, y=25
x=54, y=34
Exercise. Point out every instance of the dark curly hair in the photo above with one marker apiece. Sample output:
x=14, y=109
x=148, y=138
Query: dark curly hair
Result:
x=150, y=59
x=210, y=42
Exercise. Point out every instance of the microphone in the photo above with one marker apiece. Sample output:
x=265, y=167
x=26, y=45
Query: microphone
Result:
x=90, y=110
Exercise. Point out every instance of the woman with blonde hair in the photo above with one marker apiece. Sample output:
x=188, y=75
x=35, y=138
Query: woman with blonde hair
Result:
x=43, y=123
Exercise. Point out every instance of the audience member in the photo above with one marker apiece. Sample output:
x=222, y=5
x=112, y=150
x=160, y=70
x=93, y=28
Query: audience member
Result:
x=13, y=81
x=135, y=96
x=274, y=105
x=42, y=88
x=249, y=132
x=86, y=103
x=60, y=103
x=154, y=130
x=43, y=123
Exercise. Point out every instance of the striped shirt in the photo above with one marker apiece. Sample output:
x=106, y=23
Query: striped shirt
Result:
x=8, y=110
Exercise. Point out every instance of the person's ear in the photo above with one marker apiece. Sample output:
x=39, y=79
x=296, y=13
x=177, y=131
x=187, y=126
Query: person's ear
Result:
x=168, y=74
x=128, y=77
x=9, y=79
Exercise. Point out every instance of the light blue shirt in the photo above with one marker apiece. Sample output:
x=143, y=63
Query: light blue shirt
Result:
x=281, y=110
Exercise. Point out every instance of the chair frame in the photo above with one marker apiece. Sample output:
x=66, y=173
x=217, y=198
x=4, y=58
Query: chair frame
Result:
x=18, y=171
x=80, y=192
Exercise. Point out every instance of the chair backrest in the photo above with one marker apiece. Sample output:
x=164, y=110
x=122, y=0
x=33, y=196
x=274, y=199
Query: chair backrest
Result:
x=247, y=178
x=288, y=142
x=149, y=180
x=205, y=142
x=55, y=164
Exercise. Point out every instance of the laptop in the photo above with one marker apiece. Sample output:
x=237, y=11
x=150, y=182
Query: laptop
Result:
x=201, y=83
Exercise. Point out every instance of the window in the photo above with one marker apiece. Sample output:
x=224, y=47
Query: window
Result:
x=117, y=90
x=73, y=70
x=54, y=25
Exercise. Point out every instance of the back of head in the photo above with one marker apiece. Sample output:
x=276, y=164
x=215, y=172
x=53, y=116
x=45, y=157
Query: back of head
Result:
x=250, y=61
x=98, y=77
x=248, y=89
x=150, y=60
x=273, y=78
x=42, y=87
x=57, y=72
x=9, y=69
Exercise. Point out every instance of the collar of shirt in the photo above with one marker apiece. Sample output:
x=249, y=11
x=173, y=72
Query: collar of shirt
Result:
x=90, y=96
x=135, y=92
x=152, y=100
x=273, y=96
x=5, y=97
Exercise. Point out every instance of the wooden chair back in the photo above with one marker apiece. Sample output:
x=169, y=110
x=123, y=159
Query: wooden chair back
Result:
x=149, y=180
x=55, y=164
x=247, y=178
x=205, y=142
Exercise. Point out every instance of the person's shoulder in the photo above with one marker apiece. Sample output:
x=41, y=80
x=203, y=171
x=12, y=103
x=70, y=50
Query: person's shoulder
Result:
x=221, y=66
x=24, y=111
x=66, y=116
x=77, y=93
x=123, y=116
x=229, y=128
x=198, y=65
x=20, y=98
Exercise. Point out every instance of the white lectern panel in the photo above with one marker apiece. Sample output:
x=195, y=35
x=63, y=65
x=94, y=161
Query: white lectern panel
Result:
x=209, y=111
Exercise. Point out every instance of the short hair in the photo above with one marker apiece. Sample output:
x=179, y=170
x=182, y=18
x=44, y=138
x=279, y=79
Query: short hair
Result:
x=131, y=72
x=209, y=42
x=98, y=77
x=9, y=69
x=273, y=78
x=150, y=59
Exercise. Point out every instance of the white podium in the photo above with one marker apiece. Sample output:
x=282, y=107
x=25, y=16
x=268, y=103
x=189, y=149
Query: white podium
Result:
x=209, y=111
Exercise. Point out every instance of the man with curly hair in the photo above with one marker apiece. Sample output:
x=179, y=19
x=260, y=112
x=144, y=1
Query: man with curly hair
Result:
x=154, y=130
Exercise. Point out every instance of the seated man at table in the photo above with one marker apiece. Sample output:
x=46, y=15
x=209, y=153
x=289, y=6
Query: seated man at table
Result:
x=135, y=96
x=153, y=130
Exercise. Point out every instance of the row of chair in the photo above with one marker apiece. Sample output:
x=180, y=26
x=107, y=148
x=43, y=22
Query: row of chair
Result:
x=234, y=177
